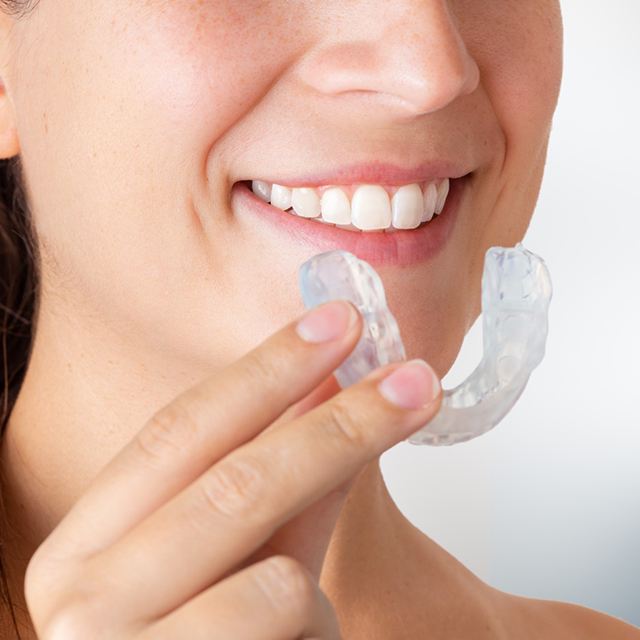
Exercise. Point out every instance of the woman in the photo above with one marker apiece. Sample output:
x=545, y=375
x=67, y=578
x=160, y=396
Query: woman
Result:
x=163, y=476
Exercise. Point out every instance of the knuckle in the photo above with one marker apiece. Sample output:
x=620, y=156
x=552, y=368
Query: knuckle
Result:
x=269, y=370
x=44, y=577
x=34, y=576
x=264, y=367
x=288, y=585
x=168, y=432
x=235, y=488
x=58, y=607
x=343, y=425
x=76, y=614
x=73, y=621
x=66, y=602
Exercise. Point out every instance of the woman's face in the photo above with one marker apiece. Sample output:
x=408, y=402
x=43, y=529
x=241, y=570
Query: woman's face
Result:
x=137, y=117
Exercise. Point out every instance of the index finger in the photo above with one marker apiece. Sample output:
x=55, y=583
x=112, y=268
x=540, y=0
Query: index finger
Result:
x=188, y=435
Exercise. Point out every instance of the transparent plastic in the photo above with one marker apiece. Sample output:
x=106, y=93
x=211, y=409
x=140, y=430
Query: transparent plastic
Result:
x=516, y=292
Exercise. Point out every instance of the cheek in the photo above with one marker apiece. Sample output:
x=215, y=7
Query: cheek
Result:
x=520, y=56
x=203, y=64
x=122, y=106
x=523, y=73
x=119, y=83
x=518, y=47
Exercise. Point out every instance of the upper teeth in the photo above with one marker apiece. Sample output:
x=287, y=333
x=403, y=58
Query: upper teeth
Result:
x=370, y=206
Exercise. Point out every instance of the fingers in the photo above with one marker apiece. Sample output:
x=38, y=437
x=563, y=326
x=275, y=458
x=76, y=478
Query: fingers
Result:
x=202, y=424
x=271, y=600
x=235, y=506
x=274, y=599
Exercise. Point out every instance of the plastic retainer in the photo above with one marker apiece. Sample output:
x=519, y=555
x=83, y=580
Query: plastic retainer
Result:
x=516, y=292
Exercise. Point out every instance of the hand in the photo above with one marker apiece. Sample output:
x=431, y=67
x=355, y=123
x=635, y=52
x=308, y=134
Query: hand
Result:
x=162, y=543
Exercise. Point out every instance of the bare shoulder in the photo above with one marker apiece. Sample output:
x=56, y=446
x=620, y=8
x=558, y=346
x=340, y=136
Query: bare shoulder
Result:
x=549, y=619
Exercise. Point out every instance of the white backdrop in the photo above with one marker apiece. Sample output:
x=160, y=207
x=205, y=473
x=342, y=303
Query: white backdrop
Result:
x=547, y=504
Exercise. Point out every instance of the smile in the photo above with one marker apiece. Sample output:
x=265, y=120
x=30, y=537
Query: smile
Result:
x=367, y=207
x=399, y=225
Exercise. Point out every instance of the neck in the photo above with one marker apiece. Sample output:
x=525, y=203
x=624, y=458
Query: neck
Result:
x=387, y=579
x=84, y=396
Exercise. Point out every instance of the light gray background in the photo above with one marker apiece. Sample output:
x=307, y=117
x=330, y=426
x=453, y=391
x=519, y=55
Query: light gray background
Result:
x=547, y=504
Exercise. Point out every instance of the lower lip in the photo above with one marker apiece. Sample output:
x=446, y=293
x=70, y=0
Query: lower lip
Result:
x=399, y=248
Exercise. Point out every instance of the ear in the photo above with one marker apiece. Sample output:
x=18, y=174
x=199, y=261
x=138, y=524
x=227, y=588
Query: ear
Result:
x=9, y=144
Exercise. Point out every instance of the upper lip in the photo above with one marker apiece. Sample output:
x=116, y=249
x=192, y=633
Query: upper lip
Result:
x=382, y=173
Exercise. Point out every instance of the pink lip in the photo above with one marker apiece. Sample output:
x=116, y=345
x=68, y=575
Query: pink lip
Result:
x=399, y=248
x=373, y=173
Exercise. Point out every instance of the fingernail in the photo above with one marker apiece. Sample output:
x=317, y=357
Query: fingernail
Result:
x=327, y=321
x=412, y=386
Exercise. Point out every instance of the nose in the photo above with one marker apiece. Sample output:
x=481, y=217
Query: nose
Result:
x=407, y=55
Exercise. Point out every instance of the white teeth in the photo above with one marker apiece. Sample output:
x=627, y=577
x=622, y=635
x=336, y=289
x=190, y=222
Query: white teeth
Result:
x=335, y=206
x=407, y=206
x=261, y=189
x=443, y=192
x=430, y=201
x=281, y=197
x=370, y=208
x=305, y=202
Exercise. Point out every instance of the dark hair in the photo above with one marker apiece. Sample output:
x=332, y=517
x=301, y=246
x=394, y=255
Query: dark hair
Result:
x=18, y=286
x=18, y=309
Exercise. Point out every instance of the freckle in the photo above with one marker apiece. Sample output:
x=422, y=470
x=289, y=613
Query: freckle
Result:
x=46, y=124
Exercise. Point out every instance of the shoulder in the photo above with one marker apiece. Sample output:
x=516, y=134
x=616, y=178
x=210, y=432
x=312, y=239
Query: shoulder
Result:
x=548, y=620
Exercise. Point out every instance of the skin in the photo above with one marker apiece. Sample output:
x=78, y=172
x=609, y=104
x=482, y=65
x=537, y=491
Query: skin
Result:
x=133, y=119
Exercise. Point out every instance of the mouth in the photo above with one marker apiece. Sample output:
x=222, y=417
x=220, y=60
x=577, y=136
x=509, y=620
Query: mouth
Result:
x=400, y=224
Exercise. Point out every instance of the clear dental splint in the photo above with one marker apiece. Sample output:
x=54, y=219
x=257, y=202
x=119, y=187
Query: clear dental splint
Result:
x=516, y=292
